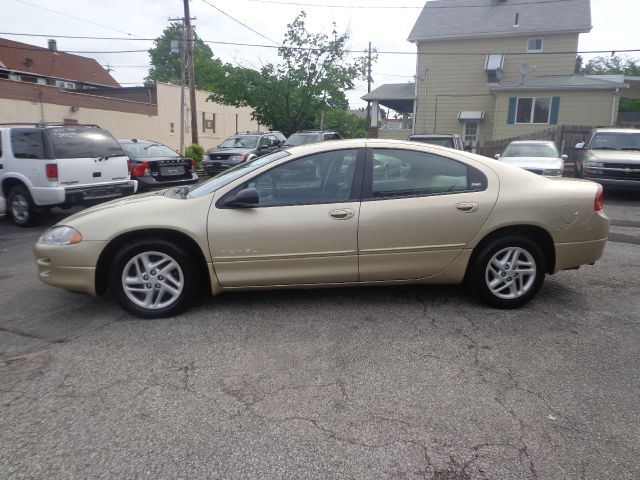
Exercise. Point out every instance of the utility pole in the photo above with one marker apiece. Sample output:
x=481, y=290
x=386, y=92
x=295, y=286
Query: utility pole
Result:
x=179, y=46
x=192, y=79
x=369, y=89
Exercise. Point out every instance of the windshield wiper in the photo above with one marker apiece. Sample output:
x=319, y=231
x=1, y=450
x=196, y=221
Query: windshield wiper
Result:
x=603, y=148
x=152, y=145
x=107, y=157
x=631, y=149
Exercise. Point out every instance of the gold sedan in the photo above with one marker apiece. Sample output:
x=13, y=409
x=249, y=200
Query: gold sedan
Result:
x=352, y=212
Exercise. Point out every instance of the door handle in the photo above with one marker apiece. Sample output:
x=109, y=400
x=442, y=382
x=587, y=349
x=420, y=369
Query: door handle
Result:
x=342, y=213
x=467, y=207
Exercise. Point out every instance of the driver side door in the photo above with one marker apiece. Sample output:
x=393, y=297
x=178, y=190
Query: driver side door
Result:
x=304, y=229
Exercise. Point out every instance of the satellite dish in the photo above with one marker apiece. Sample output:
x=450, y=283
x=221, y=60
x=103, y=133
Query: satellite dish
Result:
x=525, y=69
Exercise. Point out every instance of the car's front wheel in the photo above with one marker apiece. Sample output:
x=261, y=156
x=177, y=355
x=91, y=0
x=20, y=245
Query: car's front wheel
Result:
x=507, y=272
x=152, y=279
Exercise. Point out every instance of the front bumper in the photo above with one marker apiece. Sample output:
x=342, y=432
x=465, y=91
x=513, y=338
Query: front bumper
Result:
x=72, y=267
x=612, y=182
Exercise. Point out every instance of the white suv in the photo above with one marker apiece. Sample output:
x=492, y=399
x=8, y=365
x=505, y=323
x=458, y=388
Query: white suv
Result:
x=47, y=165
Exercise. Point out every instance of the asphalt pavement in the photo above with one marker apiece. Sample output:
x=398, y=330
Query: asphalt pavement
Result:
x=364, y=383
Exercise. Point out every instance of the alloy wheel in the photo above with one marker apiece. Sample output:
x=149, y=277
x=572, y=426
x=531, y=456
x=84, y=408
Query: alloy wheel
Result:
x=510, y=273
x=152, y=280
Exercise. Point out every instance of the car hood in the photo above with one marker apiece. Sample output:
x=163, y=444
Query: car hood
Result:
x=120, y=202
x=533, y=162
x=614, y=156
x=230, y=151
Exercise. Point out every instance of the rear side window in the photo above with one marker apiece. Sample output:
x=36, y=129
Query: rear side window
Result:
x=407, y=173
x=83, y=142
x=27, y=143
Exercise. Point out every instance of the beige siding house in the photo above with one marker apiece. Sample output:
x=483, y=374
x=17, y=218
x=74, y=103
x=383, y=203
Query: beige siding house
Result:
x=493, y=69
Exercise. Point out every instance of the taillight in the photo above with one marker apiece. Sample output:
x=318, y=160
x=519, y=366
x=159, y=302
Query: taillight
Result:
x=193, y=165
x=598, y=202
x=141, y=170
x=51, y=170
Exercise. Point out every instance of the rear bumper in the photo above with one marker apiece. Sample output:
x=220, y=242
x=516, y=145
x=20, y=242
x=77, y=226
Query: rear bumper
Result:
x=98, y=193
x=150, y=183
x=572, y=255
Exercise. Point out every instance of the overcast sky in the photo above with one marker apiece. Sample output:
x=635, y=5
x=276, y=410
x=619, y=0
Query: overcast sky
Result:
x=615, y=27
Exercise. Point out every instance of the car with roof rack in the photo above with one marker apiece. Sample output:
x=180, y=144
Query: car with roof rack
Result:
x=240, y=148
x=44, y=165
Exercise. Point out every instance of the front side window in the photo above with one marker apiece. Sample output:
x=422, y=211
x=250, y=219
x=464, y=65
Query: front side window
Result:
x=533, y=110
x=411, y=174
x=27, y=143
x=325, y=177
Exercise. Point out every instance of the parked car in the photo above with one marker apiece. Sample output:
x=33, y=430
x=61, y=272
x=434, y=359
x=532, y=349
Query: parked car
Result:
x=311, y=136
x=537, y=156
x=47, y=165
x=240, y=148
x=155, y=165
x=611, y=157
x=449, y=140
x=455, y=216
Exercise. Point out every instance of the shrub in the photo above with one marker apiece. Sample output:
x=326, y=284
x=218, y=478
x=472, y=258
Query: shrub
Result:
x=195, y=152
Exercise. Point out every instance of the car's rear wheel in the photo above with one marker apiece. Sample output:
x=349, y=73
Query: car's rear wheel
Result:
x=21, y=206
x=152, y=279
x=507, y=272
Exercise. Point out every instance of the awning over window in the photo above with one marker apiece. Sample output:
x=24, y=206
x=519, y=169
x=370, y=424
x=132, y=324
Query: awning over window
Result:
x=463, y=116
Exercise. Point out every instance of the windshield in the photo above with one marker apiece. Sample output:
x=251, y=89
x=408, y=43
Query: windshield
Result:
x=148, y=150
x=615, y=141
x=234, y=173
x=302, y=139
x=83, y=142
x=531, y=150
x=442, y=141
x=241, y=141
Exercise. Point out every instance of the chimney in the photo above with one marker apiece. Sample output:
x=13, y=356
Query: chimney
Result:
x=53, y=45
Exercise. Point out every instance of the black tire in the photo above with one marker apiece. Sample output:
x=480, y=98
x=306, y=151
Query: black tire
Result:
x=21, y=207
x=526, y=284
x=155, y=248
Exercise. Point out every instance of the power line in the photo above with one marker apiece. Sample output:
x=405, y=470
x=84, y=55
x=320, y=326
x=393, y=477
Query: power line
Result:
x=239, y=22
x=75, y=18
x=258, y=45
x=396, y=7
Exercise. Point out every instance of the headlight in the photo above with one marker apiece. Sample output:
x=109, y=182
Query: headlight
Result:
x=237, y=158
x=61, y=235
x=551, y=172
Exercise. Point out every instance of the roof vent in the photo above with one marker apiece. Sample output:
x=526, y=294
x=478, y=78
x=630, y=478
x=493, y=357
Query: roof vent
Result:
x=53, y=45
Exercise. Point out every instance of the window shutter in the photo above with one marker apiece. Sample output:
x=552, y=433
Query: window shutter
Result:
x=555, y=108
x=511, y=117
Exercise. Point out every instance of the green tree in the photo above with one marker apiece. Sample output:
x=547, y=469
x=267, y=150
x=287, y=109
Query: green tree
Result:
x=165, y=64
x=347, y=124
x=313, y=75
x=615, y=64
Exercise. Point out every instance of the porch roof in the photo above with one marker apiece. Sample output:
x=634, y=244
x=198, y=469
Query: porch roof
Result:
x=396, y=96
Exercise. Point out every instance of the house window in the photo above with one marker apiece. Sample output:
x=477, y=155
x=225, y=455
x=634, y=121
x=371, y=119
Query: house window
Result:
x=208, y=123
x=493, y=65
x=63, y=84
x=471, y=133
x=534, y=45
x=533, y=110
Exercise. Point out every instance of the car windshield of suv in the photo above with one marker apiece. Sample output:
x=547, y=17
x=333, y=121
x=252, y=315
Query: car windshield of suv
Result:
x=234, y=173
x=443, y=141
x=615, y=141
x=241, y=141
x=302, y=139
x=530, y=150
x=148, y=150
x=83, y=142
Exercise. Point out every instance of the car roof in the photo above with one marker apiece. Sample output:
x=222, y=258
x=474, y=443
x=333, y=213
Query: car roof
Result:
x=433, y=135
x=532, y=142
x=617, y=130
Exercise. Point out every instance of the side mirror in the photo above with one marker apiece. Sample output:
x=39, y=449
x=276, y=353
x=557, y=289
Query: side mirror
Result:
x=580, y=146
x=246, y=198
x=497, y=156
x=565, y=157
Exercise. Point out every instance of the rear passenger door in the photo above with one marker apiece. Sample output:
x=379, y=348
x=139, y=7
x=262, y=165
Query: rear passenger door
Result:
x=416, y=221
